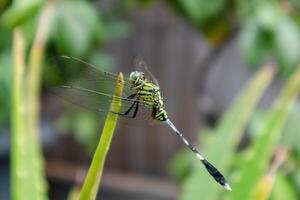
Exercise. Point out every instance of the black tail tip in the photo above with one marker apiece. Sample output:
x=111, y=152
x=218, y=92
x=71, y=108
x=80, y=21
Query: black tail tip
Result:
x=216, y=174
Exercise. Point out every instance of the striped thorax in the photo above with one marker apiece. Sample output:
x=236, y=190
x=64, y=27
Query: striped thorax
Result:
x=149, y=94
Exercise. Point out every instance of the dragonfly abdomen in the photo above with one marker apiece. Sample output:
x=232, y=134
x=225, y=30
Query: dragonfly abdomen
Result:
x=161, y=115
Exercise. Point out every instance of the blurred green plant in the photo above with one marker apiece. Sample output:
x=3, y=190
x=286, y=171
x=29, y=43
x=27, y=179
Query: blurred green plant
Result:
x=83, y=124
x=68, y=27
x=287, y=181
x=249, y=167
x=77, y=29
x=268, y=29
x=5, y=74
x=226, y=136
x=27, y=164
x=256, y=159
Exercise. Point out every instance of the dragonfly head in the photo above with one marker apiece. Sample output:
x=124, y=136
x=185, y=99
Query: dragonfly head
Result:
x=137, y=78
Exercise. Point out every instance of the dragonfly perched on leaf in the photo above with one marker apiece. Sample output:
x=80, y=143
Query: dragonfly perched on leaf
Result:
x=142, y=92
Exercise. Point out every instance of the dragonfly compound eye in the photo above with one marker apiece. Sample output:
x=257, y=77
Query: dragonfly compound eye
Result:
x=133, y=77
x=136, y=77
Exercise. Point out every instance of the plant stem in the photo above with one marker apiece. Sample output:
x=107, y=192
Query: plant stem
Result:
x=92, y=181
x=28, y=180
x=36, y=56
x=17, y=111
x=34, y=83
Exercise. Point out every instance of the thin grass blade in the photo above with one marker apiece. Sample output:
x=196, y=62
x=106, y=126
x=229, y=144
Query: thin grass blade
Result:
x=257, y=159
x=27, y=180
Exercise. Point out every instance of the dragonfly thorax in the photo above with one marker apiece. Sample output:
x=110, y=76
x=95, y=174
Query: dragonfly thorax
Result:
x=137, y=79
x=149, y=94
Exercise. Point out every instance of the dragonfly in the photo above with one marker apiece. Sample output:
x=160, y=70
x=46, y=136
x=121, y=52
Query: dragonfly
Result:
x=143, y=93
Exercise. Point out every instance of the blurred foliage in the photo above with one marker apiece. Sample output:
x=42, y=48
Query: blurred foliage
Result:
x=268, y=29
x=82, y=124
x=248, y=167
x=287, y=184
x=78, y=29
x=20, y=12
x=75, y=27
x=75, y=30
x=284, y=188
x=27, y=164
x=207, y=17
x=226, y=136
x=5, y=74
x=257, y=157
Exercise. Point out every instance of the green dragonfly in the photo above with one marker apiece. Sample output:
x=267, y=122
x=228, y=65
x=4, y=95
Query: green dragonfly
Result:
x=142, y=92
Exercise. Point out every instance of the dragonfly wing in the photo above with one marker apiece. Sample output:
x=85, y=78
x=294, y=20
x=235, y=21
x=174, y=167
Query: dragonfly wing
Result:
x=84, y=88
x=89, y=76
x=94, y=101
x=140, y=64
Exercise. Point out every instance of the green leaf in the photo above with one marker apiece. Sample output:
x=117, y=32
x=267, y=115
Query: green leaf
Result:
x=291, y=137
x=27, y=175
x=268, y=15
x=257, y=122
x=85, y=129
x=116, y=29
x=5, y=85
x=29, y=28
x=295, y=4
x=254, y=43
x=92, y=181
x=76, y=26
x=296, y=177
x=200, y=11
x=180, y=166
x=3, y=4
x=5, y=38
x=20, y=11
x=103, y=60
x=287, y=43
x=256, y=160
x=283, y=189
x=221, y=150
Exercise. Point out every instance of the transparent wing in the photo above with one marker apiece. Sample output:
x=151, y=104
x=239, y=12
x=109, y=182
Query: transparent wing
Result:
x=140, y=64
x=90, y=76
x=92, y=88
x=94, y=101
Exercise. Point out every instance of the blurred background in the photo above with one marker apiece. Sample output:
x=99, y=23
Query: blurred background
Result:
x=228, y=71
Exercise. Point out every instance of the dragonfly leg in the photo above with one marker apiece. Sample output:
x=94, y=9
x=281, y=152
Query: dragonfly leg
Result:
x=129, y=109
x=131, y=96
x=125, y=114
x=134, y=112
x=134, y=104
